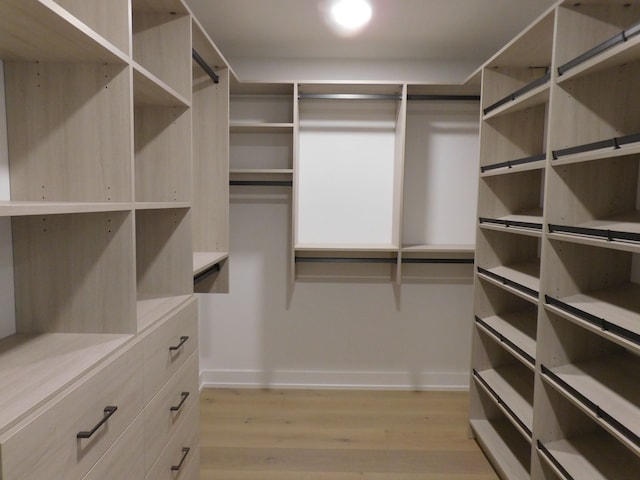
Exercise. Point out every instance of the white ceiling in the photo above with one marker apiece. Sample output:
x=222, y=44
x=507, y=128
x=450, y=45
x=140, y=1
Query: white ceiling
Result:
x=454, y=31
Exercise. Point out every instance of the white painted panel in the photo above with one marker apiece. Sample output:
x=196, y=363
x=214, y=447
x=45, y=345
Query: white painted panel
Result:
x=441, y=167
x=346, y=172
x=7, y=307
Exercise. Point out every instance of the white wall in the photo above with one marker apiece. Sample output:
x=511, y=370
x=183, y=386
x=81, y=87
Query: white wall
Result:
x=343, y=334
x=7, y=319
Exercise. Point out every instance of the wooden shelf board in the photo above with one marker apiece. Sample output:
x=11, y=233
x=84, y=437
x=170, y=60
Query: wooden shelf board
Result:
x=595, y=242
x=158, y=6
x=498, y=440
x=515, y=230
x=334, y=247
x=623, y=222
x=514, y=388
x=618, y=305
x=149, y=90
x=255, y=127
x=596, y=456
x=18, y=208
x=603, y=153
x=34, y=367
x=519, y=327
x=537, y=96
x=150, y=310
x=44, y=31
x=525, y=167
x=440, y=248
x=203, y=260
x=533, y=216
x=527, y=273
x=620, y=54
x=609, y=383
x=161, y=205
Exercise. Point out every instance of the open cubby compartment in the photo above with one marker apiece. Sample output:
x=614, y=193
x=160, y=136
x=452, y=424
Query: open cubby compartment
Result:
x=69, y=130
x=347, y=264
x=510, y=320
x=518, y=76
x=505, y=379
x=109, y=19
x=261, y=150
x=164, y=260
x=512, y=201
x=513, y=142
x=511, y=261
x=595, y=115
x=597, y=201
x=162, y=156
x=261, y=105
x=594, y=374
x=441, y=148
x=596, y=33
x=571, y=445
x=73, y=273
x=162, y=42
x=349, y=166
x=596, y=288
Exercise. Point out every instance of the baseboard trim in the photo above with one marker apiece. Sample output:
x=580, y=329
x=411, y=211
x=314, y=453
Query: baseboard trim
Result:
x=335, y=380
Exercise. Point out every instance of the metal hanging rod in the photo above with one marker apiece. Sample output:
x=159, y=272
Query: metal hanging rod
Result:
x=462, y=98
x=205, y=66
x=261, y=183
x=350, y=96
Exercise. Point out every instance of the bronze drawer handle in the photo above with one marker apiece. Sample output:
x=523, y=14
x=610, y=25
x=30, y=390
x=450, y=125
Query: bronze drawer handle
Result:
x=182, y=340
x=184, y=396
x=108, y=411
x=185, y=452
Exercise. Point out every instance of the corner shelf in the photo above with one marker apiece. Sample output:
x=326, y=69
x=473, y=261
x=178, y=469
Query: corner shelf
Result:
x=515, y=331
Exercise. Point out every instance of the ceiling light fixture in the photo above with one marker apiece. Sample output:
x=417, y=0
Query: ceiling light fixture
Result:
x=349, y=16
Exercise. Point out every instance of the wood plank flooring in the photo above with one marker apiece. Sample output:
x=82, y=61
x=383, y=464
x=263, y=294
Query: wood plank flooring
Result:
x=331, y=435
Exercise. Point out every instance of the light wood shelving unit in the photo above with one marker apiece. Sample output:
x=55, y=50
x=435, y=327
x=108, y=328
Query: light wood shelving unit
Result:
x=99, y=123
x=557, y=282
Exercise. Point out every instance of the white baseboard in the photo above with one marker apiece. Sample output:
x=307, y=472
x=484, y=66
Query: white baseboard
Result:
x=422, y=381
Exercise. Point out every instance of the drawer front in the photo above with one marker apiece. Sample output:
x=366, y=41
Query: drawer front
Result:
x=124, y=460
x=187, y=436
x=168, y=346
x=46, y=445
x=160, y=421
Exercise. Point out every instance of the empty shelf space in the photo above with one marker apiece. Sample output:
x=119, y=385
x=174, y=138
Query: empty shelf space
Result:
x=605, y=387
x=150, y=310
x=19, y=208
x=504, y=447
x=517, y=330
x=257, y=127
x=615, y=51
x=34, y=367
x=39, y=32
x=612, y=312
x=536, y=93
x=624, y=227
x=596, y=456
x=523, y=277
x=202, y=261
x=512, y=390
x=149, y=90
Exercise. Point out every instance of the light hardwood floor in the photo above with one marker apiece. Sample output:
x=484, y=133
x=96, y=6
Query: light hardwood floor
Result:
x=337, y=435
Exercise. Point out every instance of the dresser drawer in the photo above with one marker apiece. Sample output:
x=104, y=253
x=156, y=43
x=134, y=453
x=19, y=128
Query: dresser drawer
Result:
x=47, y=444
x=165, y=413
x=168, y=346
x=124, y=460
x=175, y=460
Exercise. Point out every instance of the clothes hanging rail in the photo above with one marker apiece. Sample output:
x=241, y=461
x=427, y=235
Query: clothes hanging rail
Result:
x=513, y=163
x=205, y=66
x=349, y=96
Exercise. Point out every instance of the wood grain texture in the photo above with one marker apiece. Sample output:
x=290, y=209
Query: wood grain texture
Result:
x=330, y=435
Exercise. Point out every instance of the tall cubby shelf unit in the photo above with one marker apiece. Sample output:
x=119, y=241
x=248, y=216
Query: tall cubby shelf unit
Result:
x=556, y=337
x=101, y=377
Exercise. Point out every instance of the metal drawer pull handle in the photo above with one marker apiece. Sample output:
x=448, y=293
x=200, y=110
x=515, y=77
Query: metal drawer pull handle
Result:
x=182, y=340
x=108, y=411
x=185, y=452
x=184, y=395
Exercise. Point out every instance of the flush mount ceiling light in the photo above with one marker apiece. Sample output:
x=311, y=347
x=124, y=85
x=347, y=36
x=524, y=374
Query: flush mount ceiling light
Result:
x=348, y=17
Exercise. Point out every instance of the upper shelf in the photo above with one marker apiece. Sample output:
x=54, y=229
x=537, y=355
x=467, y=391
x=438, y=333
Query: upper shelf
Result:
x=43, y=31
